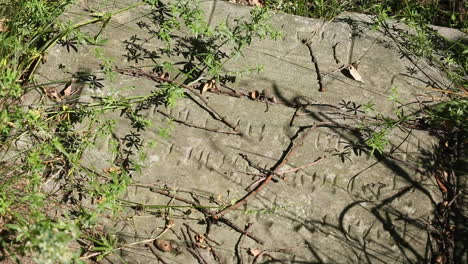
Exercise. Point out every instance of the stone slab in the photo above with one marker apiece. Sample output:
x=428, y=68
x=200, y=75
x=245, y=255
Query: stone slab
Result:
x=346, y=209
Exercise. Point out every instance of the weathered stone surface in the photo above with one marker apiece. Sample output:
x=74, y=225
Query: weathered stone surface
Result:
x=362, y=209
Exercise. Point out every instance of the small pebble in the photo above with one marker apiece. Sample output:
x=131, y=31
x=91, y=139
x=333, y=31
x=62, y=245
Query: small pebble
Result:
x=163, y=245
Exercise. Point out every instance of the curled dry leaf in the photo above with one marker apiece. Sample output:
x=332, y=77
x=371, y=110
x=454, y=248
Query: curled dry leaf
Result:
x=170, y=223
x=3, y=27
x=254, y=95
x=255, y=251
x=56, y=96
x=68, y=91
x=208, y=85
x=52, y=93
x=163, y=245
x=111, y=170
x=164, y=75
x=441, y=178
x=213, y=84
x=200, y=241
x=204, y=88
x=353, y=71
x=439, y=259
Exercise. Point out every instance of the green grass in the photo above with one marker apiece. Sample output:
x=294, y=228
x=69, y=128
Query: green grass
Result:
x=442, y=13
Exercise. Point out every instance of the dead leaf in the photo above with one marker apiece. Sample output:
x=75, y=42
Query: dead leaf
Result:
x=204, y=88
x=213, y=85
x=163, y=245
x=170, y=223
x=52, y=93
x=259, y=3
x=439, y=177
x=255, y=251
x=254, y=95
x=111, y=170
x=3, y=27
x=439, y=259
x=165, y=75
x=209, y=85
x=68, y=91
x=199, y=238
x=353, y=71
x=200, y=241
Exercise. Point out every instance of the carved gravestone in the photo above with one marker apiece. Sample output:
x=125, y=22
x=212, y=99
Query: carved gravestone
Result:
x=331, y=201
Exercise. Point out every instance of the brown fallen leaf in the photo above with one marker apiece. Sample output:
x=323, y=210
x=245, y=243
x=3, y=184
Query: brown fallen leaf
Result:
x=111, y=170
x=165, y=75
x=254, y=95
x=353, y=71
x=170, y=223
x=441, y=177
x=259, y=3
x=200, y=241
x=208, y=85
x=68, y=91
x=204, y=88
x=213, y=85
x=3, y=27
x=255, y=251
x=53, y=94
x=439, y=259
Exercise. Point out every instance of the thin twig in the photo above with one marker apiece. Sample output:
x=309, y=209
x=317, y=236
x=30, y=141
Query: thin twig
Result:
x=154, y=251
x=203, y=210
x=295, y=114
x=195, y=248
x=303, y=166
x=195, y=126
x=205, y=236
x=315, y=62
x=196, y=255
x=218, y=115
x=207, y=240
x=334, y=53
x=156, y=78
x=260, y=169
x=238, y=229
x=238, y=244
x=268, y=178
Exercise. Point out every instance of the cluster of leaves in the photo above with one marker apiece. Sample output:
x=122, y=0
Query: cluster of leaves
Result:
x=445, y=55
x=450, y=116
x=206, y=49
